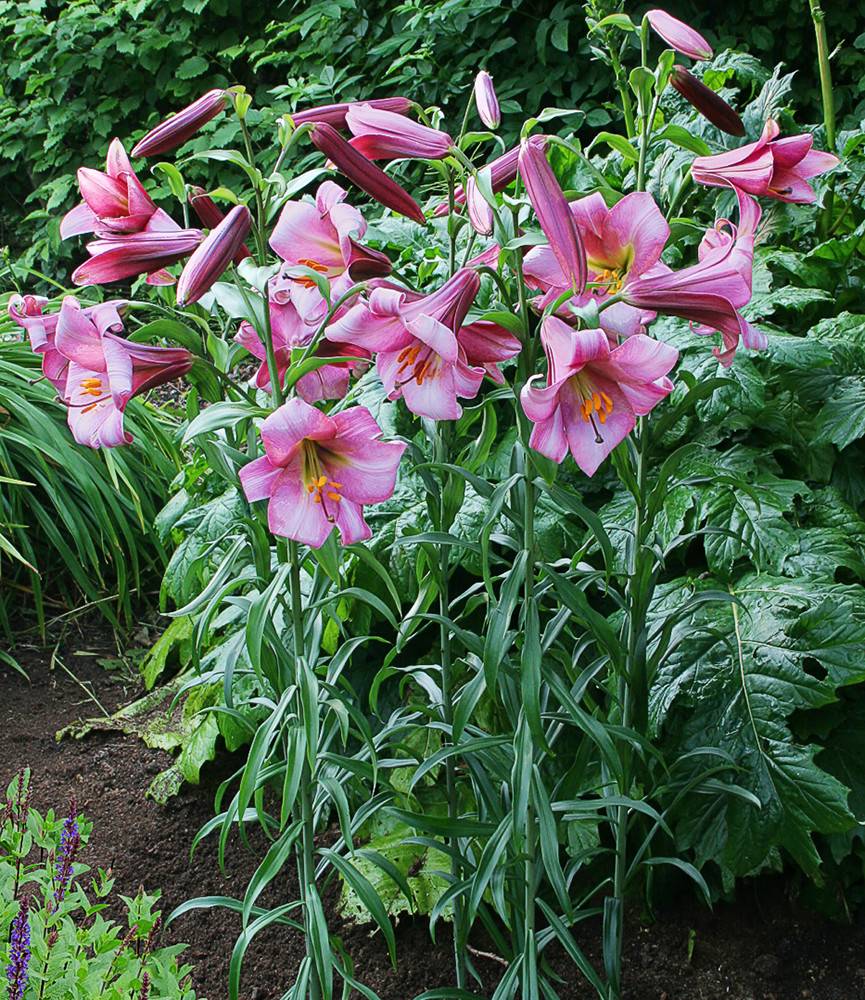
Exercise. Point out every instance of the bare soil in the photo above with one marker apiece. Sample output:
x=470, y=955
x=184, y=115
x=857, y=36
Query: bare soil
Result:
x=761, y=948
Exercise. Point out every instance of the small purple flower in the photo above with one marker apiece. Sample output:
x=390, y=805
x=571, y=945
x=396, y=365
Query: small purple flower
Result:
x=19, y=952
x=70, y=841
x=145, y=987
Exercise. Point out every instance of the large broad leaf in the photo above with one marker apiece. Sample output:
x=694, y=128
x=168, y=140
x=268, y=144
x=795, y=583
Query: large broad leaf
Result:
x=734, y=676
x=751, y=523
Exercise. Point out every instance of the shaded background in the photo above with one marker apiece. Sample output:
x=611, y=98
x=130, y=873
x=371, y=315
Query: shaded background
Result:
x=72, y=75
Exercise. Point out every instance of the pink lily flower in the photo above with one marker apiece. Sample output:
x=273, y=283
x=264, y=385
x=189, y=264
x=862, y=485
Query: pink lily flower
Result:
x=105, y=371
x=424, y=353
x=553, y=214
x=318, y=471
x=210, y=215
x=365, y=174
x=213, y=256
x=593, y=393
x=41, y=327
x=678, y=35
x=486, y=100
x=174, y=131
x=335, y=114
x=294, y=318
x=771, y=167
x=711, y=292
x=503, y=171
x=114, y=258
x=385, y=135
x=621, y=243
x=114, y=201
x=324, y=236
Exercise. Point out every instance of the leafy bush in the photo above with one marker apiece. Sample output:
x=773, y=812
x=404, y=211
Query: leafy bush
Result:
x=56, y=941
x=526, y=681
x=65, y=69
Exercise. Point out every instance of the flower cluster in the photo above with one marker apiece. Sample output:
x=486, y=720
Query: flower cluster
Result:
x=332, y=306
x=18, y=968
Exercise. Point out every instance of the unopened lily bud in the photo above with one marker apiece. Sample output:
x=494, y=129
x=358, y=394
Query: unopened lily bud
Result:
x=678, y=35
x=554, y=214
x=712, y=107
x=213, y=256
x=487, y=102
x=175, y=130
x=365, y=174
x=335, y=114
x=210, y=215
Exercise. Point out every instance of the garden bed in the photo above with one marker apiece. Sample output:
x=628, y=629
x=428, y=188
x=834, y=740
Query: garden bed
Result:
x=762, y=947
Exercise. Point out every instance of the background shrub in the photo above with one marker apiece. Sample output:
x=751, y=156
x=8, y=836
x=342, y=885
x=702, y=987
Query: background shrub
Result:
x=65, y=69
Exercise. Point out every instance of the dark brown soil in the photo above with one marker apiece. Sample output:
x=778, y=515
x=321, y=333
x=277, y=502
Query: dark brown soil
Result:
x=759, y=949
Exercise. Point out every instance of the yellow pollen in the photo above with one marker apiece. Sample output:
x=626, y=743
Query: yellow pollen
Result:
x=334, y=496
x=335, y=485
x=92, y=406
x=317, y=498
x=602, y=416
x=608, y=403
x=611, y=278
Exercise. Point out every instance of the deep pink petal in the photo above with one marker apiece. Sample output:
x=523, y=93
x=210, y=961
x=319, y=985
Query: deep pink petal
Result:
x=678, y=35
x=293, y=512
x=303, y=235
x=258, y=478
x=365, y=466
x=815, y=163
x=288, y=426
x=77, y=338
x=78, y=220
x=641, y=359
x=590, y=441
x=118, y=366
x=436, y=336
x=349, y=520
x=634, y=234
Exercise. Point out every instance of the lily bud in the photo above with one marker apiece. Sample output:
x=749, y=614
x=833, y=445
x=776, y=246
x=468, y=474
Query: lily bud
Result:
x=487, y=103
x=366, y=175
x=175, y=130
x=678, y=35
x=554, y=214
x=213, y=256
x=335, y=114
x=479, y=211
x=712, y=107
x=210, y=215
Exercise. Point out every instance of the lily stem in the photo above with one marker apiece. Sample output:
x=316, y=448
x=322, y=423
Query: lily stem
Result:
x=307, y=817
x=442, y=447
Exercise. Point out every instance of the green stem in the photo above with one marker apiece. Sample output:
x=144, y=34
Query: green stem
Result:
x=261, y=217
x=819, y=20
x=632, y=683
x=452, y=243
x=621, y=86
x=827, y=97
x=648, y=121
x=306, y=865
x=682, y=191
x=442, y=456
